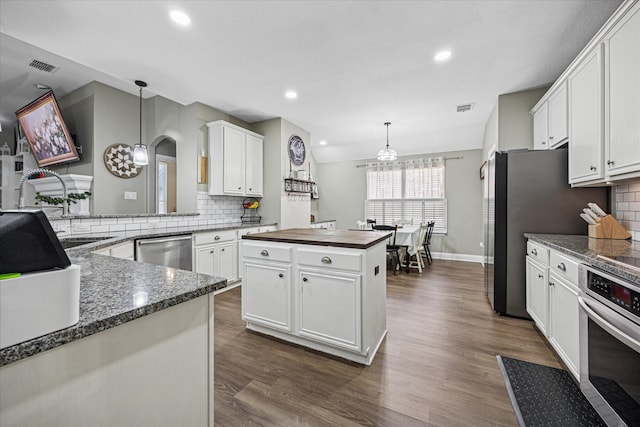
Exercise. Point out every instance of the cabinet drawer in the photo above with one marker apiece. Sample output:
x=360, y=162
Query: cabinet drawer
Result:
x=213, y=237
x=538, y=252
x=266, y=252
x=254, y=230
x=330, y=259
x=565, y=266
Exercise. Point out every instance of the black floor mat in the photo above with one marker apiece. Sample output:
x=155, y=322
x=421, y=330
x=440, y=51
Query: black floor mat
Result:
x=544, y=396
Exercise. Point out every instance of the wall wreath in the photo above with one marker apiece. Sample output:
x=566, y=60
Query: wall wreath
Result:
x=118, y=158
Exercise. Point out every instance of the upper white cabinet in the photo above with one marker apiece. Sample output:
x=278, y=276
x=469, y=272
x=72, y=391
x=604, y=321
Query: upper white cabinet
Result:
x=585, y=129
x=550, y=119
x=235, y=160
x=622, y=122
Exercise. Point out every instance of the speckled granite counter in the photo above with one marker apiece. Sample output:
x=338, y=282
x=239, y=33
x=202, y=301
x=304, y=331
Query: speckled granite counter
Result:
x=114, y=291
x=590, y=251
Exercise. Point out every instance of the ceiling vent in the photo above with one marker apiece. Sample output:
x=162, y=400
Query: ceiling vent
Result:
x=464, y=108
x=43, y=66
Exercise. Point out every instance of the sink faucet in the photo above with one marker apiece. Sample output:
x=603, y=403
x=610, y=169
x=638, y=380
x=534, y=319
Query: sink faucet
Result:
x=32, y=172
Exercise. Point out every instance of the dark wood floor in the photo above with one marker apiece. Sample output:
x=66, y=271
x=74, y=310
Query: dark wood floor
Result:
x=437, y=365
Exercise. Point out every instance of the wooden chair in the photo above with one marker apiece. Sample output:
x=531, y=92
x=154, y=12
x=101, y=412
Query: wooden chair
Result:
x=371, y=223
x=392, y=249
x=425, y=250
x=418, y=263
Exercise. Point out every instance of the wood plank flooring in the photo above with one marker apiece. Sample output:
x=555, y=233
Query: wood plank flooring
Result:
x=436, y=367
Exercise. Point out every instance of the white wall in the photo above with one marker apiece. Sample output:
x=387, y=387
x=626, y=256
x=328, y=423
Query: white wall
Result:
x=342, y=189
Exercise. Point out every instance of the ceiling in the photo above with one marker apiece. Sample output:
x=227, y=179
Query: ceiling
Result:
x=354, y=64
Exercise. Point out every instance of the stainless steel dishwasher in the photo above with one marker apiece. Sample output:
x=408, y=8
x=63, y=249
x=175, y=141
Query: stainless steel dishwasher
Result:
x=174, y=251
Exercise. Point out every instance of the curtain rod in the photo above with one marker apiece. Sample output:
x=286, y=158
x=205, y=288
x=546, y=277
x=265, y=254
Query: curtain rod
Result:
x=401, y=161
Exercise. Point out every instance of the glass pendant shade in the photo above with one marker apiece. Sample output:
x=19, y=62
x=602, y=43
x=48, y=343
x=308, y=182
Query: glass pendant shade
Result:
x=387, y=154
x=140, y=156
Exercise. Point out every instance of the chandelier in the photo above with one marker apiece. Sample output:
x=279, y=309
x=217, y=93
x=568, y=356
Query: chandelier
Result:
x=387, y=154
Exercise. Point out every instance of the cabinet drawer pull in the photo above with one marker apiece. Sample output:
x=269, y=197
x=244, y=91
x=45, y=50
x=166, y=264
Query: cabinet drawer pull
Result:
x=304, y=279
x=281, y=275
x=534, y=251
x=544, y=143
x=216, y=238
x=551, y=284
x=550, y=138
x=264, y=252
x=593, y=168
x=610, y=162
x=325, y=260
x=562, y=267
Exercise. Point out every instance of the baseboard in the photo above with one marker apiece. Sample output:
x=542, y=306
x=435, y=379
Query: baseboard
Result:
x=458, y=257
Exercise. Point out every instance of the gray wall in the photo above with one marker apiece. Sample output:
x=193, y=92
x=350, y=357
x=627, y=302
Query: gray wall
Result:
x=342, y=189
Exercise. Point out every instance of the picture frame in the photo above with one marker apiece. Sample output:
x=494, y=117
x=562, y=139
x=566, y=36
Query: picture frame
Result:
x=46, y=132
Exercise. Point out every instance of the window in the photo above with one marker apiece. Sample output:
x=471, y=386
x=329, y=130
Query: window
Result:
x=413, y=190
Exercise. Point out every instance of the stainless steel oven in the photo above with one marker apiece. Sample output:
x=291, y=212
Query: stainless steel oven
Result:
x=610, y=345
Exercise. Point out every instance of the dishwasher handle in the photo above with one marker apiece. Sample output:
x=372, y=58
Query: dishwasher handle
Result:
x=162, y=240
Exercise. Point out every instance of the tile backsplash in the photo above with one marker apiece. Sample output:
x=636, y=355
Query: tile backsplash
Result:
x=223, y=211
x=627, y=197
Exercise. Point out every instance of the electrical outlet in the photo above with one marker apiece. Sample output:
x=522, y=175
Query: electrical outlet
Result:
x=131, y=195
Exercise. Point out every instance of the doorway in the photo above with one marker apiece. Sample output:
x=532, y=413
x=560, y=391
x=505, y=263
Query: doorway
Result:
x=165, y=184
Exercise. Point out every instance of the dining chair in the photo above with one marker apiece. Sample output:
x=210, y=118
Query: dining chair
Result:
x=371, y=223
x=426, y=250
x=392, y=249
x=418, y=263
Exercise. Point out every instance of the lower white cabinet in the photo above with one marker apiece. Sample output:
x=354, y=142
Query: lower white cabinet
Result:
x=122, y=250
x=341, y=292
x=330, y=299
x=325, y=225
x=537, y=293
x=552, y=301
x=216, y=254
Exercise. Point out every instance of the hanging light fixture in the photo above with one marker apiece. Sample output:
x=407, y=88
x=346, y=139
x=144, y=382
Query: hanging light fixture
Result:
x=140, y=156
x=387, y=154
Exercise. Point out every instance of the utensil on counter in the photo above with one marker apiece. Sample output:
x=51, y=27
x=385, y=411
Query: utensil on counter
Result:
x=590, y=213
x=596, y=209
x=588, y=219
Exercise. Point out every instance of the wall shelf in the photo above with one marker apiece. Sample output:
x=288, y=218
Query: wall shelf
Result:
x=292, y=185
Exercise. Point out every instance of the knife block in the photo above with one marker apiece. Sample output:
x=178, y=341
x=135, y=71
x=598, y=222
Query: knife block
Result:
x=608, y=228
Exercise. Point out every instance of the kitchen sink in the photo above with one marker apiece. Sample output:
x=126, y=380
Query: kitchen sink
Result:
x=72, y=242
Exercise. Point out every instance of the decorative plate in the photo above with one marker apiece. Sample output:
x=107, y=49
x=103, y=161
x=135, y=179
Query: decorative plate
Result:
x=296, y=150
x=118, y=158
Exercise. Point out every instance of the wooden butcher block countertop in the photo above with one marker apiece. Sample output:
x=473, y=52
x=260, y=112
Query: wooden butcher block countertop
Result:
x=314, y=236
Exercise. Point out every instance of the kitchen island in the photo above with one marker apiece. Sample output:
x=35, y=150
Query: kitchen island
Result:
x=141, y=353
x=323, y=289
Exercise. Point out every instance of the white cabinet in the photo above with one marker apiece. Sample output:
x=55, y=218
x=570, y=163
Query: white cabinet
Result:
x=122, y=250
x=235, y=157
x=558, y=116
x=541, y=127
x=552, y=300
x=585, y=128
x=11, y=170
x=216, y=254
x=550, y=119
x=537, y=293
x=341, y=292
x=622, y=122
x=331, y=299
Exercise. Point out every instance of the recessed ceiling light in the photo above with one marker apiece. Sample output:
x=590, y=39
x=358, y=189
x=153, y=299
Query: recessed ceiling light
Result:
x=180, y=17
x=290, y=94
x=323, y=142
x=442, y=55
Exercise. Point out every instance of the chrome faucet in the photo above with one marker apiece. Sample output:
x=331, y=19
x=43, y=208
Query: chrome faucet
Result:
x=30, y=173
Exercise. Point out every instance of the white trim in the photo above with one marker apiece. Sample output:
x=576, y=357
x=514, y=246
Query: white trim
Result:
x=458, y=257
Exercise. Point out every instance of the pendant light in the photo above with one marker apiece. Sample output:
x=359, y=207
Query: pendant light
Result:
x=140, y=156
x=387, y=154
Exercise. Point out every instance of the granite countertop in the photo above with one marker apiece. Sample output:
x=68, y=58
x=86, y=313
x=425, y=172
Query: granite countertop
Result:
x=590, y=251
x=320, y=237
x=114, y=291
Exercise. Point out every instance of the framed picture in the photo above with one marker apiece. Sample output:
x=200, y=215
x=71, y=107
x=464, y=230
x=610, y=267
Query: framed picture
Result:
x=46, y=132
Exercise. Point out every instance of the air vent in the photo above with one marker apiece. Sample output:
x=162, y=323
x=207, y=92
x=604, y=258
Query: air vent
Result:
x=464, y=108
x=43, y=66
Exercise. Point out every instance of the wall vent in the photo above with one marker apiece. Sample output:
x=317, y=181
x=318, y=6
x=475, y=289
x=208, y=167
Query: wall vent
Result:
x=464, y=107
x=43, y=66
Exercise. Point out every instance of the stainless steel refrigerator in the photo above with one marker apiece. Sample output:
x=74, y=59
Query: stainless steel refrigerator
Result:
x=526, y=192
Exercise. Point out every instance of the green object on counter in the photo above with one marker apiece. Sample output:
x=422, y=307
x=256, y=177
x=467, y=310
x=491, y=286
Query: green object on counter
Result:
x=9, y=276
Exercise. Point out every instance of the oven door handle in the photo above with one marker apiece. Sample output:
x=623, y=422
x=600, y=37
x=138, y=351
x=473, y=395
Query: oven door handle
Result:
x=621, y=336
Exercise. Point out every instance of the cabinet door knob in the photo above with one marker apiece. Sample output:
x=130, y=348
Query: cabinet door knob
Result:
x=540, y=276
x=562, y=267
x=550, y=138
x=250, y=189
x=593, y=168
x=264, y=252
x=325, y=260
x=222, y=250
x=216, y=238
x=534, y=251
x=211, y=251
x=551, y=284
x=281, y=275
x=239, y=188
x=544, y=143
x=304, y=279
x=610, y=162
